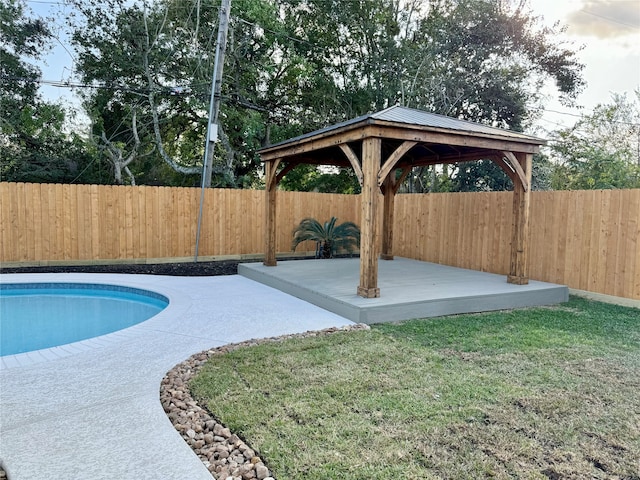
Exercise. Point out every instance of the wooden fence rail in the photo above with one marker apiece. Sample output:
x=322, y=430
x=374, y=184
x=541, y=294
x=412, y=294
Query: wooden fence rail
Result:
x=589, y=240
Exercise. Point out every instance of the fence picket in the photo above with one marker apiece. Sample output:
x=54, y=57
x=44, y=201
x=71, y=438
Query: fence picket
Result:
x=586, y=239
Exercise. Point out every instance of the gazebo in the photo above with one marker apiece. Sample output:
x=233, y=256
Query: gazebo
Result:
x=382, y=148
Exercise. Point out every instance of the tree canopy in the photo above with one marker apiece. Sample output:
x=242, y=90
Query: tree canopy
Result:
x=291, y=66
x=34, y=146
x=602, y=149
x=294, y=65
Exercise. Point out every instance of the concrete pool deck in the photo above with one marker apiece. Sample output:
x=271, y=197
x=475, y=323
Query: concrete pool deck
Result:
x=91, y=410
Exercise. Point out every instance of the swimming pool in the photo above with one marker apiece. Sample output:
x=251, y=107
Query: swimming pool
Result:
x=34, y=316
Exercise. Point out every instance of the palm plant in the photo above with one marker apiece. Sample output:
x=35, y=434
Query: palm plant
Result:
x=329, y=237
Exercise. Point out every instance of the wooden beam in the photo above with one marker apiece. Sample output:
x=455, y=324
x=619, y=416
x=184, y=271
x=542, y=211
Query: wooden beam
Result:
x=506, y=167
x=455, y=158
x=312, y=144
x=453, y=138
x=413, y=133
x=270, y=212
x=371, y=153
x=393, y=159
x=353, y=160
x=286, y=170
x=405, y=172
x=518, y=265
x=526, y=181
x=389, y=192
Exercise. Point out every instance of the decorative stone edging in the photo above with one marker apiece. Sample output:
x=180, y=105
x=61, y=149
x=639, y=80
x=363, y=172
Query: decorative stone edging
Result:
x=224, y=454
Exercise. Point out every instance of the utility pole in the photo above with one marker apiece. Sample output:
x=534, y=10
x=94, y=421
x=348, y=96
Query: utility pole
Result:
x=216, y=85
x=214, y=110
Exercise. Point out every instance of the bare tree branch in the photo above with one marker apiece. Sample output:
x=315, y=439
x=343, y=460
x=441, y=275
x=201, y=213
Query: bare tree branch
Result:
x=154, y=111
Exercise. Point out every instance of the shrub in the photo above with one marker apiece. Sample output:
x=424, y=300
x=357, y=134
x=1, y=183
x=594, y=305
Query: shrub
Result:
x=329, y=237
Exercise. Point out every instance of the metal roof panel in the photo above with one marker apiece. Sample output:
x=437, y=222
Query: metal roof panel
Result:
x=420, y=118
x=411, y=116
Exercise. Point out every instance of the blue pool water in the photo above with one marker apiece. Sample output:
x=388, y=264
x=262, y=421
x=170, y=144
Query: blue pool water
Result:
x=43, y=315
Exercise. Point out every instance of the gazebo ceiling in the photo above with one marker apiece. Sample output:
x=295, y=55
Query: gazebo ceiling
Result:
x=419, y=155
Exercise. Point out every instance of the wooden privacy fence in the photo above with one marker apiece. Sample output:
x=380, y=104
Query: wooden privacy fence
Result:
x=44, y=223
x=589, y=240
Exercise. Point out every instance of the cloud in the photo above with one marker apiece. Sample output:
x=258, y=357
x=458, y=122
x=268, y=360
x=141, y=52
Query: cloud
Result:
x=606, y=18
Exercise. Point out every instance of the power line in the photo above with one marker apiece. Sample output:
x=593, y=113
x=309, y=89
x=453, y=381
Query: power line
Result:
x=576, y=115
x=609, y=19
x=279, y=34
x=172, y=90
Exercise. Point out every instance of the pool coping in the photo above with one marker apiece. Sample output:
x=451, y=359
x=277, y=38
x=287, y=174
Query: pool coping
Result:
x=61, y=351
x=92, y=411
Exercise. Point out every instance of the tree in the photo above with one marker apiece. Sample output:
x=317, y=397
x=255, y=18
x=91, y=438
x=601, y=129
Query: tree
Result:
x=602, y=150
x=120, y=47
x=297, y=65
x=308, y=178
x=482, y=61
x=156, y=59
x=33, y=144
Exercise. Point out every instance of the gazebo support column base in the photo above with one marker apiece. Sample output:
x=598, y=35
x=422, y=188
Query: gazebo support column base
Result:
x=386, y=256
x=270, y=263
x=369, y=292
x=517, y=280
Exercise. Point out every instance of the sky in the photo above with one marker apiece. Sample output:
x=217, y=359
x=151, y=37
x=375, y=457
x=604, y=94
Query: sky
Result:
x=606, y=31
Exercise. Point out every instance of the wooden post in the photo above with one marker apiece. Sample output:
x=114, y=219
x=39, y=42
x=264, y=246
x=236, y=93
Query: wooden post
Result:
x=387, y=217
x=270, y=213
x=519, y=268
x=371, y=151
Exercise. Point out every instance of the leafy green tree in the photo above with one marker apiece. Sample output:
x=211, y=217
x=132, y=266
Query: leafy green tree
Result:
x=308, y=178
x=480, y=176
x=602, y=150
x=330, y=237
x=138, y=109
x=33, y=144
x=296, y=65
x=156, y=59
x=479, y=60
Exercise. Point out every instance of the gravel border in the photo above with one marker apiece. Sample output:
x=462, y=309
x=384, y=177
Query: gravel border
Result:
x=224, y=453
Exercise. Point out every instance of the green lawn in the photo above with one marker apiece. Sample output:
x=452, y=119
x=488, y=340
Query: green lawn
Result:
x=537, y=393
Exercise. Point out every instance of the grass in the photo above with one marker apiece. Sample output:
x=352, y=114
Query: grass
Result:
x=548, y=392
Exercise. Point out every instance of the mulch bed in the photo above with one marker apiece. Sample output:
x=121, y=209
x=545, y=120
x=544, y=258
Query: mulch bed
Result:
x=187, y=269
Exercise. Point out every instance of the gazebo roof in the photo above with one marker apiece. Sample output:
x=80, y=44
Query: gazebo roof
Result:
x=438, y=139
x=413, y=119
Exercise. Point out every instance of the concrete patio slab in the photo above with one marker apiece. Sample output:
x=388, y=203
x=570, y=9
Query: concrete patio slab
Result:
x=408, y=288
x=91, y=410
